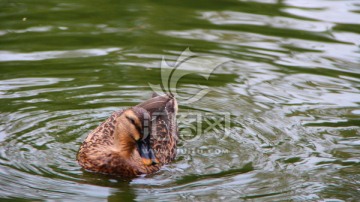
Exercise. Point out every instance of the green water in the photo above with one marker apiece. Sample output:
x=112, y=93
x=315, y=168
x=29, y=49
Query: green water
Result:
x=291, y=90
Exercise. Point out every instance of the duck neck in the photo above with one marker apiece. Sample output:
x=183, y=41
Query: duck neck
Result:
x=124, y=143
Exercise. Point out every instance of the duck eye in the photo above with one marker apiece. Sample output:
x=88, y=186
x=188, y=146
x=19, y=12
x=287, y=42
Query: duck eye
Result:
x=131, y=120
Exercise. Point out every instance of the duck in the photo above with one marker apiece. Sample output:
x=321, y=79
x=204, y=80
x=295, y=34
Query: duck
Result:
x=134, y=141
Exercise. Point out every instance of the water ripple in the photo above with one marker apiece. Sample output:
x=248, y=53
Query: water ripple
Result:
x=45, y=55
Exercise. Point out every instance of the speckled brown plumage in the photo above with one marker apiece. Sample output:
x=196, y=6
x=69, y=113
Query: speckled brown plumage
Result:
x=112, y=147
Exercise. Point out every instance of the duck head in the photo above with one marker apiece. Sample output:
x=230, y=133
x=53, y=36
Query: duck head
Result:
x=132, y=135
x=133, y=129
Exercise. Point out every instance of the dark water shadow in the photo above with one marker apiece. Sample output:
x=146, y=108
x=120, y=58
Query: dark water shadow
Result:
x=120, y=188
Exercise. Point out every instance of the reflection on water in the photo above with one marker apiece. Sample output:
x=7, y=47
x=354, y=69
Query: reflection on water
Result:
x=292, y=89
x=44, y=55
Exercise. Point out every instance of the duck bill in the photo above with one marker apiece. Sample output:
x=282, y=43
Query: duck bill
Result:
x=146, y=153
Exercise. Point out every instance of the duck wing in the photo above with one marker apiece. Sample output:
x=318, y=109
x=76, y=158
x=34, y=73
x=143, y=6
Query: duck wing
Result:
x=163, y=126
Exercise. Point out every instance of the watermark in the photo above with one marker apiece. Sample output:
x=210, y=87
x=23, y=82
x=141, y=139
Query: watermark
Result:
x=187, y=63
x=203, y=151
x=191, y=125
x=194, y=125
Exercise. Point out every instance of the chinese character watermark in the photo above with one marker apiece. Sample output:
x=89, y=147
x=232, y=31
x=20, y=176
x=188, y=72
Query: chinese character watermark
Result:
x=192, y=125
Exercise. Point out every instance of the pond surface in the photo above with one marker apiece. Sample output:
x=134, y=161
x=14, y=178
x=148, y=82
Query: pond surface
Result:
x=291, y=90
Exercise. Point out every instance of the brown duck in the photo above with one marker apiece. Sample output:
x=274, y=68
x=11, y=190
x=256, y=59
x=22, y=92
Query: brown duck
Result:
x=135, y=141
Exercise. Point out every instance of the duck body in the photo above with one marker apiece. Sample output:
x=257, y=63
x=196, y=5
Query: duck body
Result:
x=134, y=141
